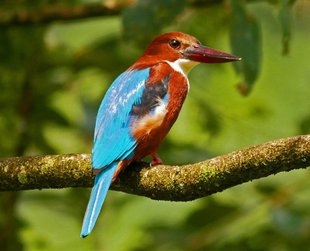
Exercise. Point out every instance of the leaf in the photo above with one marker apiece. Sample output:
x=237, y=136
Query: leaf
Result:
x=285, y=21
x=146, y=19
x=289, y=222
x=246, y=42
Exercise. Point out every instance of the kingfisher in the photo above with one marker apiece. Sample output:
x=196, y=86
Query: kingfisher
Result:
x=139, y=109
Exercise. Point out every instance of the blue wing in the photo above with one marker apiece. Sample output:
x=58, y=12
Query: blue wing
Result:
x=112, y=141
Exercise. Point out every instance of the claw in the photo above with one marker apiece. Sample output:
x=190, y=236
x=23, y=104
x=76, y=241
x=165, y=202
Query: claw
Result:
x=156, y=160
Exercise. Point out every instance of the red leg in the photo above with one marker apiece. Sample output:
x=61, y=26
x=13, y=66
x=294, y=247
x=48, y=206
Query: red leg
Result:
x=156, y=160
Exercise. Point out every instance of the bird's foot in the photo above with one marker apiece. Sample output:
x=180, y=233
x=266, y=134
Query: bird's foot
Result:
x=156, y=160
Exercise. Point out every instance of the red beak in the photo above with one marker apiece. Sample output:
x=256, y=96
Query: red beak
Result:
x=205, y=54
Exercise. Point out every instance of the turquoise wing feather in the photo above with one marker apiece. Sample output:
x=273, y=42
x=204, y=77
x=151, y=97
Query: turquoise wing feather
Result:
x=113, y=141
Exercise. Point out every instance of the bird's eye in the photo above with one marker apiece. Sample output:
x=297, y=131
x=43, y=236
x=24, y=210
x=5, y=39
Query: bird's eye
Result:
x=174, y=43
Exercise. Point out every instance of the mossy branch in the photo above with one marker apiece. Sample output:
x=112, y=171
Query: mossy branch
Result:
x=55, y=12
x=175, y=183
x=19, y=16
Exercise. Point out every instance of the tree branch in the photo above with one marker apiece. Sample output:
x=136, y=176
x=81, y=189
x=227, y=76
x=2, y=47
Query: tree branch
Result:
x=175, y=183
x=61, y=12
x=52, y=13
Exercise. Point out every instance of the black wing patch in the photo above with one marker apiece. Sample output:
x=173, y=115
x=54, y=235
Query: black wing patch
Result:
x=150, y=97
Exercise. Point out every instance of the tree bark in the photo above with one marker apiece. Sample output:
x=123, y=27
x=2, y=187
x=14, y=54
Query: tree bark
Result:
x=61, y=12
x=174, y=183
x=52, y=13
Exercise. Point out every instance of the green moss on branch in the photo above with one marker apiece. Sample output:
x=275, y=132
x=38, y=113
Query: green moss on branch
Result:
x=66, y=11
x=175, y=183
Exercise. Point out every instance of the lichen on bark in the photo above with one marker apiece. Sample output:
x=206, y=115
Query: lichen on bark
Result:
x=175, y=183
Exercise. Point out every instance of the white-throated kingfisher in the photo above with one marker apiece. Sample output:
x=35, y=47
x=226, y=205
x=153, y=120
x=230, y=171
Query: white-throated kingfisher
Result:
x=139, y=109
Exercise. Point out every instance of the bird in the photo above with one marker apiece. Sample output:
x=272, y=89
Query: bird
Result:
x=139, y=109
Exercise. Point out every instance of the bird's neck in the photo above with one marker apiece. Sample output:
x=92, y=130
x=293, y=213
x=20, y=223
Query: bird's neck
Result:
x=180, y=65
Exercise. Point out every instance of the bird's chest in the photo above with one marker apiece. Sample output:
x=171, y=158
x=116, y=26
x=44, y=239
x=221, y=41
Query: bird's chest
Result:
x=178, y=90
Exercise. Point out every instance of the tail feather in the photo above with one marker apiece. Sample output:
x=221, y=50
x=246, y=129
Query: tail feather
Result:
x=101, y=186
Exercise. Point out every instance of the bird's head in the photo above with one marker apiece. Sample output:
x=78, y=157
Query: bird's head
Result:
x=185, y=50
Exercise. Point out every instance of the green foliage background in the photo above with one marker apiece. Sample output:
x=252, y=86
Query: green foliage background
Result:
x=53, y=77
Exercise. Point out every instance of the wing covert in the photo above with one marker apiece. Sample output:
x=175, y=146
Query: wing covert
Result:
x=112, y=139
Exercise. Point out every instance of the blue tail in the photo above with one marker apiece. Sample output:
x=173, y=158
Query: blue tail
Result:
x=101, y=186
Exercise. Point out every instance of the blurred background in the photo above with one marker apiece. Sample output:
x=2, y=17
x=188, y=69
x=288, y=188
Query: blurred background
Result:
x=58, y=58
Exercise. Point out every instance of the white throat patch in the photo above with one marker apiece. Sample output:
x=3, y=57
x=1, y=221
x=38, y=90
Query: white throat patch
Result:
x=183, y=65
